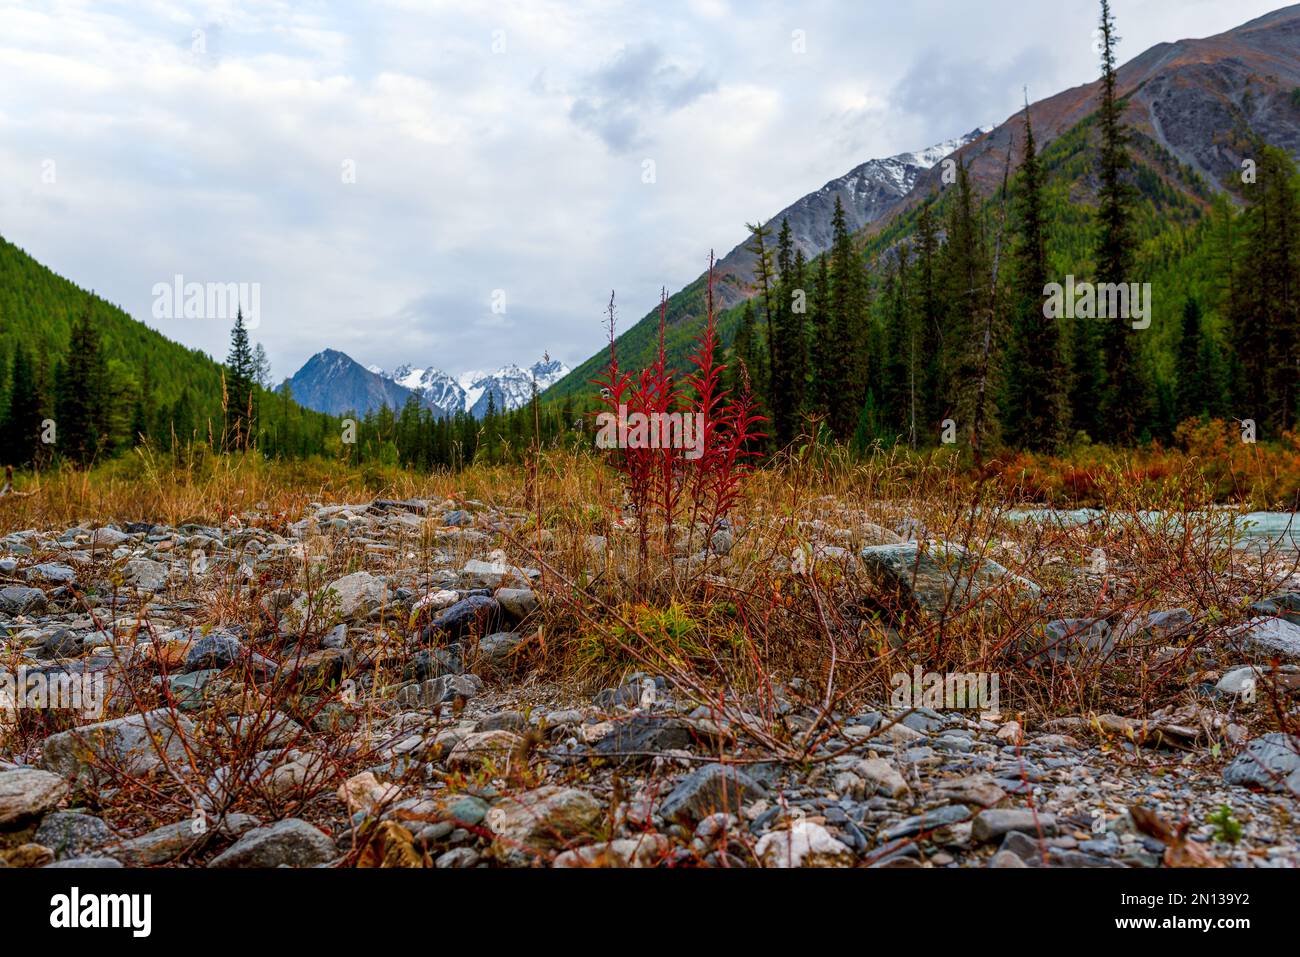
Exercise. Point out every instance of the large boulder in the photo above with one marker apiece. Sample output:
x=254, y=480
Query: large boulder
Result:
x=134, y=745
x=940, y=579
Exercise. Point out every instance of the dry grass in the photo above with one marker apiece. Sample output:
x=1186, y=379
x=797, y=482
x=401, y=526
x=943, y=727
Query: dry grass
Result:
x=725, y=627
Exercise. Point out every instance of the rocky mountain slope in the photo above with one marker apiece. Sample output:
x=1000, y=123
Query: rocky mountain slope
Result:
x=1202, y=100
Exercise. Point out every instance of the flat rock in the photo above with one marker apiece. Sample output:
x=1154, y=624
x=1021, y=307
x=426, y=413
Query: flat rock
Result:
x=133, y=745
x=291, y=842
x=27, y=793
x=1270, y=762
x=21, y=600
x=1270, y=637
x=709, y=790
x=993, y=823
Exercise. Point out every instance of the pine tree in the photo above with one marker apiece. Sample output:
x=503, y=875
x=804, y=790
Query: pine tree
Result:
x=764, y=275
x=847, y=368
x=965, y=287
x=821, y=348
x=1265, y=312
x=899, y=365
x=932, y=384
x=1035, y=411
x=80, y=414
x=1124, y=396
x=21, y=421
x=240, y=370
x=790, y=365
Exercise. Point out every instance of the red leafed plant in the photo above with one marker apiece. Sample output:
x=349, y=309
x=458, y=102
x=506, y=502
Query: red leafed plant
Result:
x=667, y=484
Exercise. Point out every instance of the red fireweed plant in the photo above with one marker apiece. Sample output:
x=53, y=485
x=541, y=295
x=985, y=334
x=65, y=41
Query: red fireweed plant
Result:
x=669, y=482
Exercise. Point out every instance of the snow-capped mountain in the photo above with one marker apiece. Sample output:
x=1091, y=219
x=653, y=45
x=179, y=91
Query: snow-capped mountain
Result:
x=866, y=191
x=510, y=386
x=334, y=382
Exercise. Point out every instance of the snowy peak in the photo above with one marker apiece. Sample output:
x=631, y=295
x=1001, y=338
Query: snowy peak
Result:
x=504, y=390
x=334, y=382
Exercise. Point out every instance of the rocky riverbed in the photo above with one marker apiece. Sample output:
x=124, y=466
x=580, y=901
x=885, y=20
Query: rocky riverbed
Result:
x=353, y=686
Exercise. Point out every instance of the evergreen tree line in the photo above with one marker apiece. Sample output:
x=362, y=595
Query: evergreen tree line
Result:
x=944, y=336
x=82, y=407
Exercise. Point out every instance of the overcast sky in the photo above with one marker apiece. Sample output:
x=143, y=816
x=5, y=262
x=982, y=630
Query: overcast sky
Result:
x=498, y=150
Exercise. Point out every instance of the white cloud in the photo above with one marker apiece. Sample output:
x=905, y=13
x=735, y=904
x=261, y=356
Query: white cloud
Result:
x=495, y=147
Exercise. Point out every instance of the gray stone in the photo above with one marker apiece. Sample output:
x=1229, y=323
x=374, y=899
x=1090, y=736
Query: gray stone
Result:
x=498, y=647
x=359, y=594
x=1270, y=637
x=941, y=579
x=81, y=863
x=931, y=820
x=534, y=824
x=291, y=842
x=21, y=600
x=146, y=574
x=1270, y=762
x=27, y=793
x=518, y=603
x=1072, y=639
x=72, y=834
x=167, y=843
x=478, y=613
x=217, y=650
x=52, y=573
x=708, y=790
x=641, y=737
x=993, y=823
x=133, y=745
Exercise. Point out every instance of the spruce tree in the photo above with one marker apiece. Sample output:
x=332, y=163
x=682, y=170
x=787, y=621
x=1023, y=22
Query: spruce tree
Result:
x=965, y=279
x=240, y=372
x=21, y=421
x=1124, y=396
x=80, y=414
x=846, y=381
x=931, y=382
x=1035, y=408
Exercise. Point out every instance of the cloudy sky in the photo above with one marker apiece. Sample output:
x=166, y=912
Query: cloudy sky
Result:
x=462, y=183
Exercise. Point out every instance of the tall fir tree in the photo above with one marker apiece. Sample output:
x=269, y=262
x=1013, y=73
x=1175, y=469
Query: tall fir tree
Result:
x=1035, y=408
x=965, y=290
x=848, y=338
x=20, y=422
x=240, y=373
x=790, y=366
x=765, y=277
x=1124, y=396
x=81, y=389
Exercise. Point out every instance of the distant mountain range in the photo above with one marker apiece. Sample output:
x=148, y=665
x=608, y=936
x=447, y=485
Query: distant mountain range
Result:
x=334, y=382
